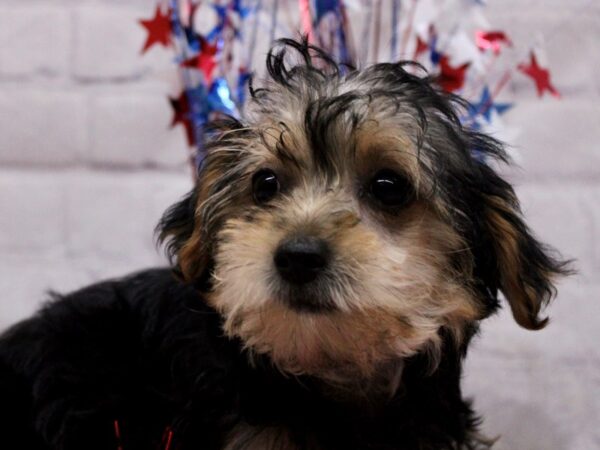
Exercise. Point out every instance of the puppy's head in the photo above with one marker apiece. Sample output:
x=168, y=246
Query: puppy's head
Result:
x=352, y=219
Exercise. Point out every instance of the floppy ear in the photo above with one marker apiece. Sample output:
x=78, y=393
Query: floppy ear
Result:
x=188, y=228
x=176, y=228
x=525, y=268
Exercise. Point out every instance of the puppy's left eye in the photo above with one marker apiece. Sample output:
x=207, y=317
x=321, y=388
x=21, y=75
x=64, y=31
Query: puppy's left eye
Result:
x=264, y=186
x=391, y=189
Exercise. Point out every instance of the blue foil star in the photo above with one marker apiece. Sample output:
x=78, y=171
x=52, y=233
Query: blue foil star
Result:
x=243, y=80
x=323, y=7
x=435, y=56
x=219, y=98
x=486, y=106
x=241, y=10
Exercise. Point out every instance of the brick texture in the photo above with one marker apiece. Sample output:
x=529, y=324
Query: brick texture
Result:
x=120, y=137
x=88, y=164
x=42, y=127
x=35, y=40
x=556, y=139
x=107, y=43
x=32, y=219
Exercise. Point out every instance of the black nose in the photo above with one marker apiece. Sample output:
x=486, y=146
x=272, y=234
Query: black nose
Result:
x=300, y=259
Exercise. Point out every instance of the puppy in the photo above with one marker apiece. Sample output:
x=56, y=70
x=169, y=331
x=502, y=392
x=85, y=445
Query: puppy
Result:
x=328, y=273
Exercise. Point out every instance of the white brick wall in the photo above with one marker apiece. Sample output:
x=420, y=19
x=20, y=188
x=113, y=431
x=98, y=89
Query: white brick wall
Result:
x=132, y=130
x=107, y=42
x=87, y=164
x=557, y=138
x=42, y=126
x=44, y=50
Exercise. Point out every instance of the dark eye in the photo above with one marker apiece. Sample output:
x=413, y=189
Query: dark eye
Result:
x=264, y=186
x=391, y=189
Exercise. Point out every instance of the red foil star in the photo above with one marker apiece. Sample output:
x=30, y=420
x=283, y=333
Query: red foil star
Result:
x=451, y=78
x=159, y=29
x=207, y=47
x=204, y=62
x=421, y=48
x=540, y=76
x=181, y=115
x=491, y=40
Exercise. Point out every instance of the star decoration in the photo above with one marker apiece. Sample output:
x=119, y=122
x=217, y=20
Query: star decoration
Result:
x=434, y=55
x=451, y=79
x=540, y=76
x=181, y=116
x=193, y=9
x=199, y=97
x=192, y=39
x=158, y=28
x=219, y=98
x=491, y=40
x=225, y=20
x=323, y=7
x=187, y=22
x=240, y=9
x=205, y=102
x=493, y=126
x=243, y=80
x=205, y=62
x=221, y=12
x=486, y=106
x=207, y=47
x=421, y=47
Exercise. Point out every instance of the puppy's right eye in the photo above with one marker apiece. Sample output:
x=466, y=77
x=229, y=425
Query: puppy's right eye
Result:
x=265, y=186
x=390, y=189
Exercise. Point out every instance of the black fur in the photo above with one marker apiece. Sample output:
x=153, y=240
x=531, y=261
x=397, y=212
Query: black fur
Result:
x=147, y=352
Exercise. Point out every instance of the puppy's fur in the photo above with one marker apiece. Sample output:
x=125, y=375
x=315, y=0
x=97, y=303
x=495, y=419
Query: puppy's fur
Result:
x=221, y=352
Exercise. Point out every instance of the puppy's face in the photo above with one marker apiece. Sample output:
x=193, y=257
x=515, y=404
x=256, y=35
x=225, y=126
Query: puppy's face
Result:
x=347, y=222
x=340, y=262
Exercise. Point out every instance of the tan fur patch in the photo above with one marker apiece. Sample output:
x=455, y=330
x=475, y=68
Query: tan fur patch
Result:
x=523, y=300
x=193, y=257
x=382, y=146
x=393, y=291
